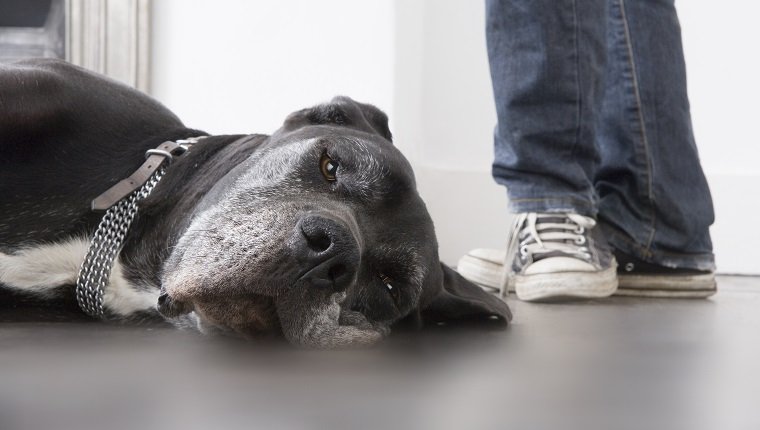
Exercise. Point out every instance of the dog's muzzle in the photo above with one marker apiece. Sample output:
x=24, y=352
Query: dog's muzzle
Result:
x=327, y=250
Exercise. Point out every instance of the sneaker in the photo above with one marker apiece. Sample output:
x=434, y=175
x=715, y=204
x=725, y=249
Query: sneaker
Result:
x=484, y=267
x=558, y=256
x=639, y=278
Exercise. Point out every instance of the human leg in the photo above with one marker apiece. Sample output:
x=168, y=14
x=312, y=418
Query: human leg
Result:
x=546, y=58
x=547, y=61
x=655, y=205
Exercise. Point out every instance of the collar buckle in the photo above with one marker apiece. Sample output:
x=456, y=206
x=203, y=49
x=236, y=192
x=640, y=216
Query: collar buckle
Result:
x=154, y=159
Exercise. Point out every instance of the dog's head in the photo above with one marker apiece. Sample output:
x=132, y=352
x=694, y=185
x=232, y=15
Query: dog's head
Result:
x=321, y=233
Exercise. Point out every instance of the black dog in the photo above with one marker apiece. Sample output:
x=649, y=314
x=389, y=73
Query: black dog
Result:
x=316, y=231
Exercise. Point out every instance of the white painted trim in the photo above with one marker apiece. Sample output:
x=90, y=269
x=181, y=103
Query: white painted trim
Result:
x=110, y=37
x=468, y=208
x=736, y=197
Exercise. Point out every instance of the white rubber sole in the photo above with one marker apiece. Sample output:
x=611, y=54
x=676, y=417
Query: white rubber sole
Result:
x=486, y=273
x=664, y=286
x=485, y=268
x=566, y=285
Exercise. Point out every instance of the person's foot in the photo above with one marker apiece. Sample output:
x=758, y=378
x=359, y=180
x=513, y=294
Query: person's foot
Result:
x=558, y=256
x=639, y=278
x=636, y=278
x=483, y=266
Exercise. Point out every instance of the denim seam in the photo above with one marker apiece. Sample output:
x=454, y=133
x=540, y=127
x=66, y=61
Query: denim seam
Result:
x=642, y=123
x=578, y=107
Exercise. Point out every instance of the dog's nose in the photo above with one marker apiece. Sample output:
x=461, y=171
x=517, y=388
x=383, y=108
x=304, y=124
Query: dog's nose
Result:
x=327, y=250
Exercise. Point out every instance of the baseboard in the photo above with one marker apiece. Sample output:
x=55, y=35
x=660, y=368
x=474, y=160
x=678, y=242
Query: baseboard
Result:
x=470, y=211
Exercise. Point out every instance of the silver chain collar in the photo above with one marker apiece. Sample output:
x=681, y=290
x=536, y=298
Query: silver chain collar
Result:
x=109, y=238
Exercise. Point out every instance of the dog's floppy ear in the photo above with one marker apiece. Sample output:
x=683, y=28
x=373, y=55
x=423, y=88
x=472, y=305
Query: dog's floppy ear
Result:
x=341, y=111
x=377, y=119
x=462, y=301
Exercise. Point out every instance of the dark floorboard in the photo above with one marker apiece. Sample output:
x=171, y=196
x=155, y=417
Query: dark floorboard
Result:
x=610, y=364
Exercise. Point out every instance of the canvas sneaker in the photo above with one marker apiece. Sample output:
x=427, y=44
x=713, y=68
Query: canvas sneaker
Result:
x=483, y=266
x=636, y=277
x=640, y=278
x=549, y=256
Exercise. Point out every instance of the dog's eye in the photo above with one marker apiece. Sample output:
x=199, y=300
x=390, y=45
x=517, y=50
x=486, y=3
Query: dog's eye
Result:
x=388, y=283
x=329, y=167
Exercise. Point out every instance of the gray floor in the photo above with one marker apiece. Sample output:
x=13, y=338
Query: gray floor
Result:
x=611, y=364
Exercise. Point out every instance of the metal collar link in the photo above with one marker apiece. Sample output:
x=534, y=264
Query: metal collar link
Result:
x=121, y=204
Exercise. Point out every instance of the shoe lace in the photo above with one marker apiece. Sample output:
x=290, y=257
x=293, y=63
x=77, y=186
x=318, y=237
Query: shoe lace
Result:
x=545, y=237
x=538, y=235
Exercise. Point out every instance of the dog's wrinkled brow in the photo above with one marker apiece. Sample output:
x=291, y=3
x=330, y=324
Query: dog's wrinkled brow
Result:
x=368, y=168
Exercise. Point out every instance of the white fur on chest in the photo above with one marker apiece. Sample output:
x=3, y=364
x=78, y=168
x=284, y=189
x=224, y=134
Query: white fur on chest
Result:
x=43, y=268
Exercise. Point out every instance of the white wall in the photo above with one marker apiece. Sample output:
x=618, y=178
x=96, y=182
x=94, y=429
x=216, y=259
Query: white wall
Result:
x=230, y=66
x=723, y=65
x=444, y=107
x=239, y=66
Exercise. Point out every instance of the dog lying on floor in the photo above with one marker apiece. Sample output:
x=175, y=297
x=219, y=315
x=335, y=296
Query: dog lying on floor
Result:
x=316, y=232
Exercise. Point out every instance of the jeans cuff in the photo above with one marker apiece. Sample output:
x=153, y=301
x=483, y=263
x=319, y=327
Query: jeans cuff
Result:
x=619, y=240
x=565, y=204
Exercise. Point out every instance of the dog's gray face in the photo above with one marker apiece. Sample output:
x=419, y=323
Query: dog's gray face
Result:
x=321, y=234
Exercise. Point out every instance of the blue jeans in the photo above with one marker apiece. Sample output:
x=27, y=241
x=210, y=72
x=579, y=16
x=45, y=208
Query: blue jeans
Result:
x=593, y=118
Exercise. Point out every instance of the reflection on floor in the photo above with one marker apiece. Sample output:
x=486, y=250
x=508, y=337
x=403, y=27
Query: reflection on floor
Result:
x=608, y=364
